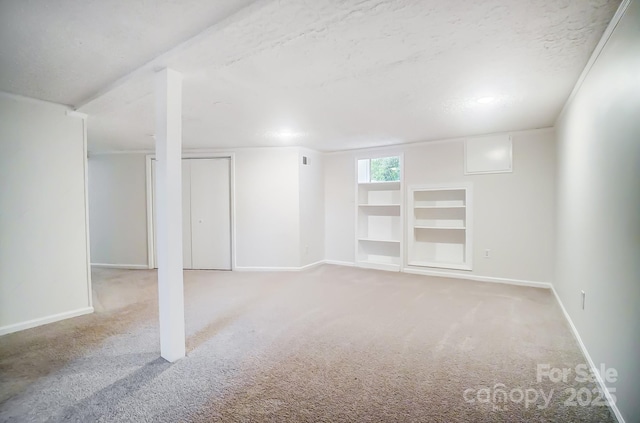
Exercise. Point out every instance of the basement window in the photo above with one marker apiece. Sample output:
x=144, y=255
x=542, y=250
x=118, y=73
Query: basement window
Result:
x=381, y=169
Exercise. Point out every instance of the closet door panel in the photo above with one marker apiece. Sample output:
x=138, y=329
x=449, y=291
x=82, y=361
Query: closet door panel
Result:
x=186, y=214
x=210, y=214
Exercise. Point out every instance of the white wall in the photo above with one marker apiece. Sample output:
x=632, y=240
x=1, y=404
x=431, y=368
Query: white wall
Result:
x=282, y=207
x=312, y=213
x=340, y=203
x=267, y=208
x=267, y=204
x=599, y=210
x=43, y=251
x=118, y=209
x=513, y=212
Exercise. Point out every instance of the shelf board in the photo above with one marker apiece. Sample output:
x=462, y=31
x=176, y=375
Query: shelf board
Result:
x=381, y=186
x=379, y=240
x=439, y=207
x=439, y=227
x=379, y=205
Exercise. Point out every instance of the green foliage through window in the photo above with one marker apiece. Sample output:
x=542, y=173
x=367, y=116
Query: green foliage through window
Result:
x=385, y=169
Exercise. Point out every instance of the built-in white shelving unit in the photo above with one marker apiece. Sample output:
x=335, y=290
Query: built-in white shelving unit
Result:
x=379, y=227
x=440, y=226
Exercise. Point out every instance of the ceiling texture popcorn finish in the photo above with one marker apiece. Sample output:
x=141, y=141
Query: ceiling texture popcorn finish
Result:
x=345, y=74
x=67, y=50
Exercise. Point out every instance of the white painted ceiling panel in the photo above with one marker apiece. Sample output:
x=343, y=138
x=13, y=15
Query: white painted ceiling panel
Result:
x=335, y=75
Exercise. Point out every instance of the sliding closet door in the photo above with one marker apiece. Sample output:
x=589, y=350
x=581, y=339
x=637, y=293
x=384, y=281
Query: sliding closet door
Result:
x=186, y=214
x=210, y=214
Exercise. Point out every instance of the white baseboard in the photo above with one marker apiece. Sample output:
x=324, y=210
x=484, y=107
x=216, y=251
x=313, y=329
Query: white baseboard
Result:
x=387, y=267
x=415, y=271
x=427, y=272
x=44, y=320
x=277, y=269
x=266, y=269
x=311, y=265
x=121, y=266
x=340, y=263
x=593, y=367
x=520, y=282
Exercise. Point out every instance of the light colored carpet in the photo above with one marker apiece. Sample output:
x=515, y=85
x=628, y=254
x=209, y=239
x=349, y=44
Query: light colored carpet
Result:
x=331, y=344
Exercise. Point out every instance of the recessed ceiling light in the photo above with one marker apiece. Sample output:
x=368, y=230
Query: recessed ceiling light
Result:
x=485, y=100
x=285, y=134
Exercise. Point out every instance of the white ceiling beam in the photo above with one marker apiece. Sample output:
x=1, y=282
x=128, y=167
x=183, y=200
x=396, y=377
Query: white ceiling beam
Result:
x=162, y=61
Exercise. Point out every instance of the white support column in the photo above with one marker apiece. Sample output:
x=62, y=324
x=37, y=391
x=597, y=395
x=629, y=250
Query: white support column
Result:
x=169, y=213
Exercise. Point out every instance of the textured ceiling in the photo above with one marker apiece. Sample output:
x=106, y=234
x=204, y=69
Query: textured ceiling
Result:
x=67, y=50
x=331, y=74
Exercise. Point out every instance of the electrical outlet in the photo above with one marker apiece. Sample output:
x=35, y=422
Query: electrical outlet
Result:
x=487, y=253
x=583, y=298
x=306, y=249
